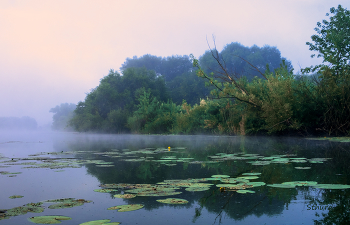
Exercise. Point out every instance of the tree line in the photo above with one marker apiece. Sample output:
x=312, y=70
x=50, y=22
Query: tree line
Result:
x=240, y=90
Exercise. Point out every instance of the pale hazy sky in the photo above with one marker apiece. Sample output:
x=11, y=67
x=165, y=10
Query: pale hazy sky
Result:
x=56, y=51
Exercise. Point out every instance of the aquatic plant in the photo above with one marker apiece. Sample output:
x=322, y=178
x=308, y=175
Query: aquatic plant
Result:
x=16, y=196
x=126, y=208
x=48, y=219
x=173, y=201
x=100, y=222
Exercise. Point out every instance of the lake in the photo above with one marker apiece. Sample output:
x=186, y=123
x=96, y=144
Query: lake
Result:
x=79, y=178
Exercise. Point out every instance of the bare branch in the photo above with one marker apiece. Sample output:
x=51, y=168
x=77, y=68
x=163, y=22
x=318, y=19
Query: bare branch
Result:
x=252, y=66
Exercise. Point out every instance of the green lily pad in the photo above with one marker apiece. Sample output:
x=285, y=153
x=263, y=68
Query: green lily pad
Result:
x=302, y=168
x=16, y=196
x=310, y=161
x=332, y=186
x=234, y=180
x=249, y=177
x=125, y=196
x=61, y=200
x=301, y=183
x=173, y=201
x=126, y=208
x=158, y=193
x=65, y=205
x=245, y=191
x=299, y=160
x=220, y=176
x=234, y=186
x=213, y=178
x=197, y=189
x=100, y=222
x=281, y=185
x=48, y=219
x=105, y=190
x=256, y=184
x=30, y=207
x=251, y=174
x=280, y=160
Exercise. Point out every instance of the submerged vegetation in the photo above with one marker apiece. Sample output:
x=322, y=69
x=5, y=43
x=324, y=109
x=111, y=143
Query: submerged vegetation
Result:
x=239, y=90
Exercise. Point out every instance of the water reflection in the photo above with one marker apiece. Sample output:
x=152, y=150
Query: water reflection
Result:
x=267, y=205
x=266, y=201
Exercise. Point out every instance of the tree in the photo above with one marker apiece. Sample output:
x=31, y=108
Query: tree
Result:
x=107, y=107
x=332, y=41
x=62, y=114
x=235, y=58
x=177, y=71
x=269, y=102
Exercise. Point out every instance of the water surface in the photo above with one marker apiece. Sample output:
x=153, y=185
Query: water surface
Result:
x=88, y=161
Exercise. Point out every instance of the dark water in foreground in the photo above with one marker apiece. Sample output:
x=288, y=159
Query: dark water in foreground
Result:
x=70, y=165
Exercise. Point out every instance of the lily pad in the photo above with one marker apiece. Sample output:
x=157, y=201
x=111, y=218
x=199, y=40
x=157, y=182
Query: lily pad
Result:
x=256, y=184
x=16, y=196
x=332, y=186
x=30, y=207
x=65, y=205
x=251, y=174
x=126, y=208
x=173, y=201
x=281, y=185
x=260, y=163
x=197, y=188
x=220, y=176
x=302, y=168
x=125, y=196
x=245, y=191
x=48, y=219
x=299, y=160
x=105, y=190
x=249, y=177
x=234, y=186
x=301, y=183
x=100, y=222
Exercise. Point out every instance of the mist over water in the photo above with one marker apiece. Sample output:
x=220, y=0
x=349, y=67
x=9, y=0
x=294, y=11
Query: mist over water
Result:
x=145, y=159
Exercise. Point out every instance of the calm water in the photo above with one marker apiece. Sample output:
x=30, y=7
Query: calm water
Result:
x=136, y=159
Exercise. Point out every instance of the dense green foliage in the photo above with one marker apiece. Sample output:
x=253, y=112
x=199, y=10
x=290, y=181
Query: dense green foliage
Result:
x=107, y=107
x=237, y=60
x=62, y=114
x=177, y=71
x=332, y=42
x=252, y=90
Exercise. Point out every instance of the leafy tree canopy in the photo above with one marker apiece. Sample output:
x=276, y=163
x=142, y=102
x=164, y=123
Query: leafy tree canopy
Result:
x=178, y=73
x=108, y=105
x=169, y=67
x=332, y=41
x=62, y=114
x=235, y=58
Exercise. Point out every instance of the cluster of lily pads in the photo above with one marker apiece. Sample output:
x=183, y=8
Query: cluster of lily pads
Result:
x=54, y=219
x=148, y=155
x=242, y=184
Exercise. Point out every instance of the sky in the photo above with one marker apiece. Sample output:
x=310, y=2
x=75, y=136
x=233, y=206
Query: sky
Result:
x=53, y=52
